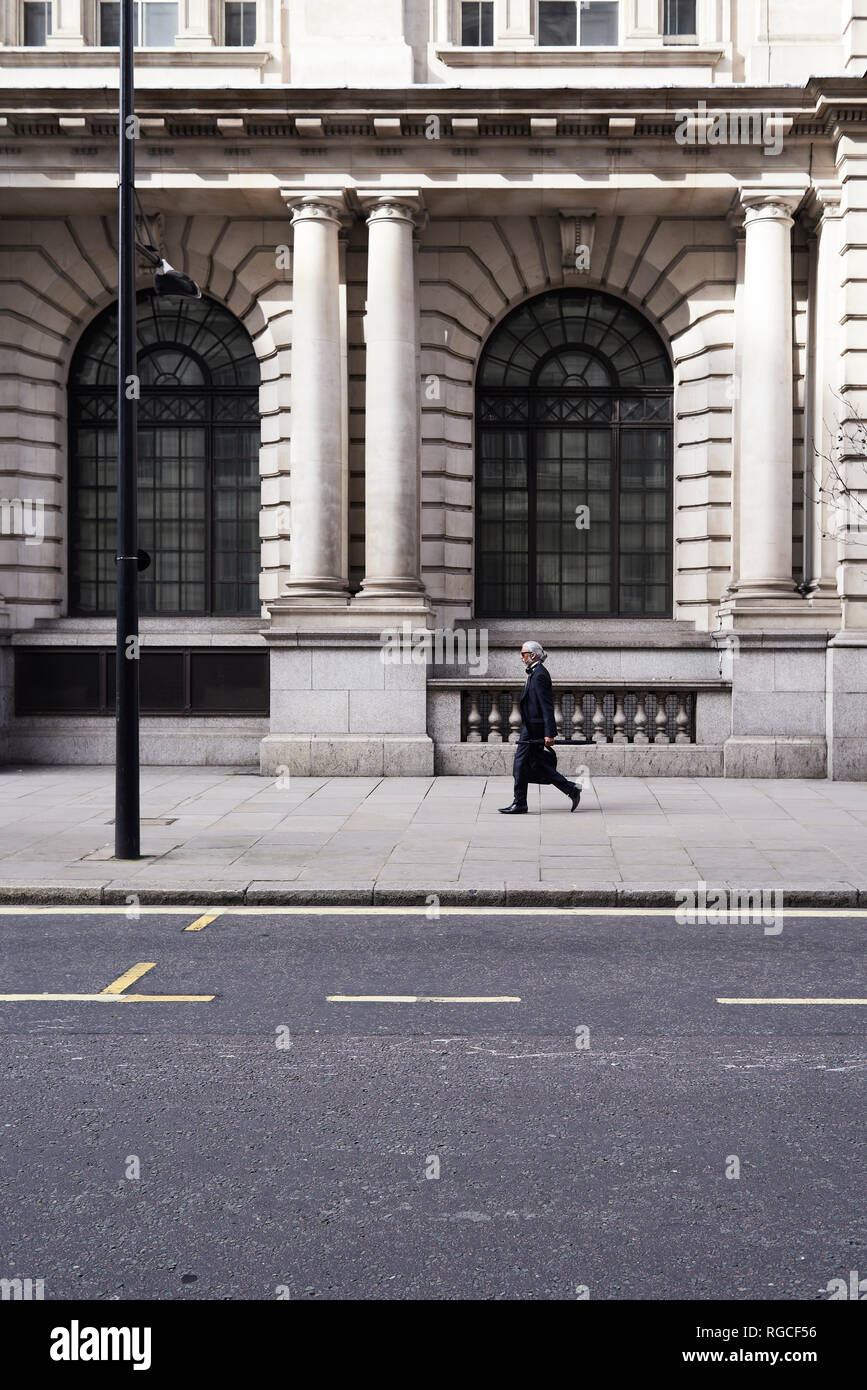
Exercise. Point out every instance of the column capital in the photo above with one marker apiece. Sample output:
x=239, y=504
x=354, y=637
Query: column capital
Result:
x=309, y=204
x=381, y=205
x=826, y=196
x=763, y=204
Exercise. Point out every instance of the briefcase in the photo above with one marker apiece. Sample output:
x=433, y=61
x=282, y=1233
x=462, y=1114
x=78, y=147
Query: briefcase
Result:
x=542, y=762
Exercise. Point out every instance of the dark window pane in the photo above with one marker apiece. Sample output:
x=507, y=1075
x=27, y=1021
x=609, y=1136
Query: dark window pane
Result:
x=37, y=24
x=477, y=24
x=110, y=25
x=599, y=22
x=54, y=682
x=552, y=526
x=161, y=682
x=229, y=681
x=190, y=468
x=241, y=23
x=557, y=23
x=679, y=18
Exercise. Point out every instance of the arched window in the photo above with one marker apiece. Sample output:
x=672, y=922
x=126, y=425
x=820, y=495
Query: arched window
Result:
x=573, y=462
x=198, y=461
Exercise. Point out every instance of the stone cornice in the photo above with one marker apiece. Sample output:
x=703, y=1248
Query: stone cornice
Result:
x=817, y=99
x=394, y=118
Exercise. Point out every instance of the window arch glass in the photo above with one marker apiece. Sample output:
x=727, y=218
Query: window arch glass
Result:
x=573, y=462
x=198, y=461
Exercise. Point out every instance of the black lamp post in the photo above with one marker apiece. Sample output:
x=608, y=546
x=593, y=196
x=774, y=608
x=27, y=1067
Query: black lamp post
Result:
x=127, y=839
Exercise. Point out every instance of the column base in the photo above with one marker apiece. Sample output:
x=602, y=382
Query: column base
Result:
x=759, y=612
x=321, y=589
x=304, y=615
x=392, y=591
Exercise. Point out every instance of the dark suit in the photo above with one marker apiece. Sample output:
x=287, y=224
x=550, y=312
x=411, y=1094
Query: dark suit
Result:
x=537, y=722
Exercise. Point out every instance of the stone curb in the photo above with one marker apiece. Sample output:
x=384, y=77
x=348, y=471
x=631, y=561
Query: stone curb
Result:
x=605, y=895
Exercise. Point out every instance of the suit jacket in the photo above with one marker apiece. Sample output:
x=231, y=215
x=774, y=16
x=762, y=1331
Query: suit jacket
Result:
x=537, y=703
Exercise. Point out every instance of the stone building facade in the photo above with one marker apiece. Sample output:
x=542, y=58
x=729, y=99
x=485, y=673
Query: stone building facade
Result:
x=518, y=319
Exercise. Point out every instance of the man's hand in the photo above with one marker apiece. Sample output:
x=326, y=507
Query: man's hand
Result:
x=548, y=741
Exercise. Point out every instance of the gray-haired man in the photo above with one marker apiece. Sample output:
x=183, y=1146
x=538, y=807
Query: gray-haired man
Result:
x=537, y=724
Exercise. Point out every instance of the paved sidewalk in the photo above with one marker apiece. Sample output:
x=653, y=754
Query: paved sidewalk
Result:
x=214, y=835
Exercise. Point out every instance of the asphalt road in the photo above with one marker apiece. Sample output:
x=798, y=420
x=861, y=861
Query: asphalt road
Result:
x=287, y=1146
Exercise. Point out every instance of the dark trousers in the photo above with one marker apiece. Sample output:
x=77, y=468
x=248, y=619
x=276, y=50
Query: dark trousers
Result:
x=522, y=771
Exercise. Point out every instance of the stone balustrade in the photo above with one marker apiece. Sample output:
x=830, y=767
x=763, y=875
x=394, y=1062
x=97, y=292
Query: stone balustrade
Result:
x=609, y=713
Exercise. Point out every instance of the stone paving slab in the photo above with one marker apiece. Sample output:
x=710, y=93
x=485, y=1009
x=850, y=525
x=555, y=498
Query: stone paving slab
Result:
x=342, y=841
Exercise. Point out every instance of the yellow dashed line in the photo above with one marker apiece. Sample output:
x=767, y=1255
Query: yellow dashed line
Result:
x=205, y=919
x=129, y=977
x=114, y=993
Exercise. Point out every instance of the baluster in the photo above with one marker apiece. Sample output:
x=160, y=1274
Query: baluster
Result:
x=474, y=719
x=558, y=713
x=567, y=720
x=640, y=735
x=619, y=719
x=599, y=735
x=495, y=721
x=578, y=717
x=515, y=717
x=682, y=721
x=661, y=720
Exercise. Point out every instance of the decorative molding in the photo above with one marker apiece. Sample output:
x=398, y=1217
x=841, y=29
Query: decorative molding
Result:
x=309, y=127
x=92, y=57
x=768, y=204
x=577, y=232
x=676, y=56
x=465, y=125
x=315, y=204
x=381, y=205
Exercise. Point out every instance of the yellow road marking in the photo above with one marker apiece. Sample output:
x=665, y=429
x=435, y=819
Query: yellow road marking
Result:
x=423, y=999
x=203, y=921
x=791, y=1001
x=129, y=977
x=114, y=993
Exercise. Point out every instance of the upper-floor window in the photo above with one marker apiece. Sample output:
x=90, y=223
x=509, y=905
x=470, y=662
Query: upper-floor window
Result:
x=588, y=23
x=36, y=22
x=678, y=19
x=477, y=23
x=240, y=19
x=156, y=23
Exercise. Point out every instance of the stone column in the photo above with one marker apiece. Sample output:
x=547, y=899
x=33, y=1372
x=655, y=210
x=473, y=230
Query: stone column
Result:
x=317, y=569
x=391, y=406
x=765, y=492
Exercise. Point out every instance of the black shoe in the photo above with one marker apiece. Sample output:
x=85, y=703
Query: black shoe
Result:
x=513, y=810
x=575, y=797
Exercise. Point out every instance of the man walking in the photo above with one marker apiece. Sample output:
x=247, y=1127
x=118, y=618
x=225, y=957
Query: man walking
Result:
x=537, y=724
